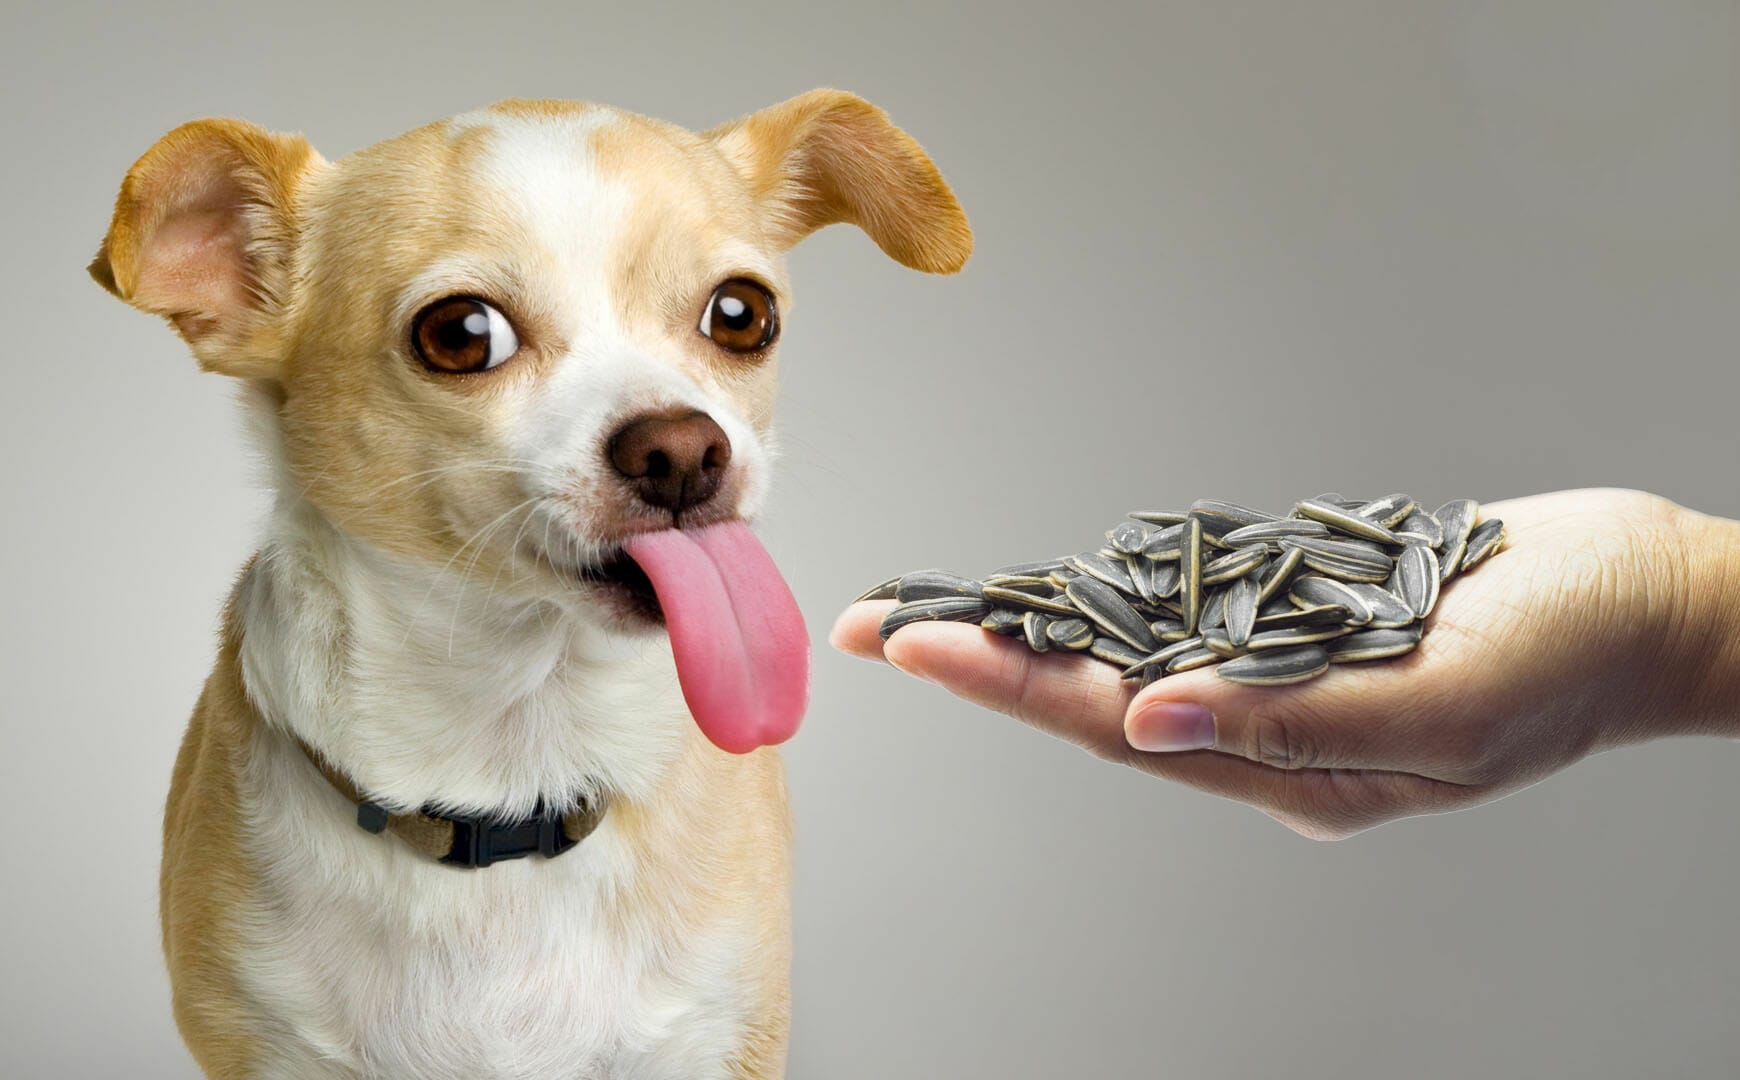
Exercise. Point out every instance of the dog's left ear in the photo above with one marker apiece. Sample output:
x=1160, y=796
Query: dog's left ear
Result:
x=828, y=156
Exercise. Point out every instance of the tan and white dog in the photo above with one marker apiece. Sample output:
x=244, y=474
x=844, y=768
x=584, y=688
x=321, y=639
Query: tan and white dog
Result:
x=513, y=373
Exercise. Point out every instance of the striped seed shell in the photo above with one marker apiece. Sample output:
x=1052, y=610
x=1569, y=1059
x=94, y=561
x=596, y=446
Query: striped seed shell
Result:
x=1324, y=615
x=1309, y=592
x=1338, y=558
x=1190, y=661
x=1163, y=545
x=1111, y=571
x=1218, y=643
x=1417, y=579
x=1168, y=629
x=1345, y=521
x=1033, y=628
x=1213, y=612
x=1298, y=635
x=1277, y=667
x=1373, y=645
x=1457, y=517
x=1269, y=532
x=1142, y=576
x=1278, y=574
x=1158, y=517
x=1164, y=656
x=1003, y=621
x=1389, y=510
x=1220, y=518
x=1023, y=601
x=1388, y=612
x=1037, y=586
x=1486, y=538
x=1165, y=579
x=943, y=609
x=1190, y=573
x=1127, y=537
x=1029, y=569
x=935, y=584
x=1234, y=564
x=1422, y=525
x=1071, y=634
x=1113, y=651
x=884, y=591
x=1241, y=609
x=1111, y=613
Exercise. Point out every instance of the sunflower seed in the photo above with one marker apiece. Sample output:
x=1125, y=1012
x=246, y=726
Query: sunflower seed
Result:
x=1168, y=629
x=1486, y=538
x=1235, y=564
x=1422, y=525
x=1389, y=510
x=1278, y=574
x=1142, y=576
x=1190, y=661
x=1345, y=521
x=1029, y=569
x=1071, y=634
x=1241, y=609
x=1221, y=645
x=944, y=609
x=1111, y=613
x=1163, y=546
x=1373, y=645
x=1298, y=635
x=1113, y=651
x=1339, y=558
x=1417, y=576
x=1190, y=573
x=1164, y=656
x=1165, y=579
x=1278, y=667
x=1127, y=537
x=936, y=584
x=1457, y=517
x=1036, y=586
x=1112, y=572
x=1388, y=612
x=1324, y=615
x=1033, y=628
x=1318, y=591
x=1220, y=518
x=1003, y=621
x=884, y=591
x=1158, y=517
x=1213, y=612
x=1022, y=601
x=1270, y=532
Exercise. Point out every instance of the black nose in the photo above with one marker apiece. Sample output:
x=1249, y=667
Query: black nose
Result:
x=675, y=460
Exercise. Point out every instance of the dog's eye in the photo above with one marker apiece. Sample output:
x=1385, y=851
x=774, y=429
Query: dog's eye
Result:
x=459, y=335
x=740, y=316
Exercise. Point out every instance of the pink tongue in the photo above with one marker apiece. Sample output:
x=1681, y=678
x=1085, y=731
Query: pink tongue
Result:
x=743, y=655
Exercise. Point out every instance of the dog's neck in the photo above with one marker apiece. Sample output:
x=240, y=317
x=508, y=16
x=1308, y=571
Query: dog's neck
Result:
x=427, y=687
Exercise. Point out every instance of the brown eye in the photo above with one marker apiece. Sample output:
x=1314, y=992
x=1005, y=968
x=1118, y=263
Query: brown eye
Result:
x=740, y=316
x=460, y=335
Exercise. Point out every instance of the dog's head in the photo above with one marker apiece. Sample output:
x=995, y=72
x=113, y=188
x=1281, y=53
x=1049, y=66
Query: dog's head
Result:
x=512, y=339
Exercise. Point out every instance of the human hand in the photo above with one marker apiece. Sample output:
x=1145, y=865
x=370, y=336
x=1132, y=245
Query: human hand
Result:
x=1606, y=619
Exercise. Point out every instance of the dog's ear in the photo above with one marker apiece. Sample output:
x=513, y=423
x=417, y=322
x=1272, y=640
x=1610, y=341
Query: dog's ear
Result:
x=828, y=156
x=203, y=234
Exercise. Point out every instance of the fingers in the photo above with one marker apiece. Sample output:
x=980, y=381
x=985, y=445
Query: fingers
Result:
x=854, y=631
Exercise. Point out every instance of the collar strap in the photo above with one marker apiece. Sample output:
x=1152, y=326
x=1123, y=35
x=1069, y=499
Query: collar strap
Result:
x=467, y=840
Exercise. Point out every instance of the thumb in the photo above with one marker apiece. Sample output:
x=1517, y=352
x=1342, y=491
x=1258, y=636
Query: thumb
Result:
x=1400, y=716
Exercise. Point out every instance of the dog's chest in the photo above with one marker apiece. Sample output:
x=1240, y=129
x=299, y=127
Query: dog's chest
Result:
x=523, y=970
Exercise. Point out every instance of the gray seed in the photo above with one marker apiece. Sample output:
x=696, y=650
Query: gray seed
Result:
x=945, y=609
x=1241, y=609
x=1220, y=644
x=935, y=584
x=1113, y=651
x=1423, y=525
x=1373, y=645
x=884, y=591
x=1112, y=613
x=1060, y=579
x=1345, y=521
x=1003, y=621
x=1278, y=667
x=1164, y=656
x=1457, y=517
x=1037, y=586
x=1165, y=579
x=1033, y=628
x=1190, y=661
x=1163, y=546
x=1111, y=571
x=1417, y=577
x=1298, y=635
x=1388, y=511
x=1235, y=564
x=1029, y=569
x=1127, y=537
x=1213, y=612
x=1318, y=591
x=1272, y=531
x=1190, y=573
x=1142, y=576
x=1158, y=517
x=1388, y=612
x=1341, y=559
x=1221, y=518
x=1071, y=634
x=1278, y=574
x=1486, y=538
x=1325, y=615
x=1021, y=601
x=1168, y=629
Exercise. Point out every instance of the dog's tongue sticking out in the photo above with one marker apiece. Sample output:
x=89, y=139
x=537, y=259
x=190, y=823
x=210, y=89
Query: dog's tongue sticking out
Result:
x=743, y=655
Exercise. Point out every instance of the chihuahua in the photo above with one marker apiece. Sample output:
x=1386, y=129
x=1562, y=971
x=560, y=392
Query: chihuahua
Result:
x=482, y=782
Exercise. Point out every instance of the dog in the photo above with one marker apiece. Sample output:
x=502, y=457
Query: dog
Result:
x=482, y=781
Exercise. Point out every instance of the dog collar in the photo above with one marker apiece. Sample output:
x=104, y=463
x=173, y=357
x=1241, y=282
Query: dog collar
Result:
x=467, y=840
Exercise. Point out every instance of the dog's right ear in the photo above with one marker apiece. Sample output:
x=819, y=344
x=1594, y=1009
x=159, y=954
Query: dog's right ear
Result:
x=203, y=234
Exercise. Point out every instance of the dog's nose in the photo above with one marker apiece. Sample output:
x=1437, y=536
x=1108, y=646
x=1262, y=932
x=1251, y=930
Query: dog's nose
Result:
x=675, y=460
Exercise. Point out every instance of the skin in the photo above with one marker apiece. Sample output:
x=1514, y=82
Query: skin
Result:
x=1606, y=620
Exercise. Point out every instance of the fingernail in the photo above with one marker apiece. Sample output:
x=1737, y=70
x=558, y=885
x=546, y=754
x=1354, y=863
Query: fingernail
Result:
x=1171, y=725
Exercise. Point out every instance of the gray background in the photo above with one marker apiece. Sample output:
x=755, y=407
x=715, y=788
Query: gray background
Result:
x=1234, y=250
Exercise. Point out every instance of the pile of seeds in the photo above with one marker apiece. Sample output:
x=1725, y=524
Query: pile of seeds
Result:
x=1278, y=599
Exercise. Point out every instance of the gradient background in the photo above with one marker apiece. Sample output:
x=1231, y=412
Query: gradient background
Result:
x=1247, y=251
